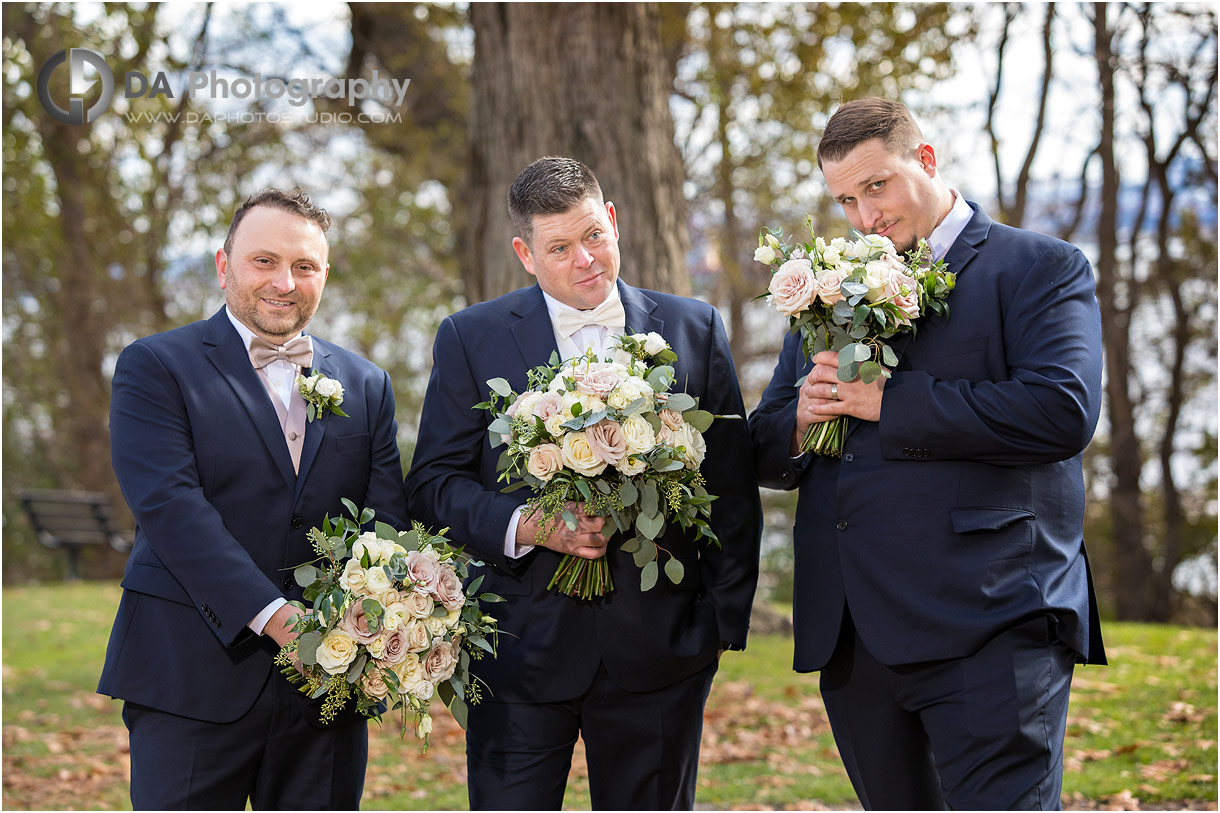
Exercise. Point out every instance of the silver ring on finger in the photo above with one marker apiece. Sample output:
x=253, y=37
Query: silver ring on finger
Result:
x=834, y=391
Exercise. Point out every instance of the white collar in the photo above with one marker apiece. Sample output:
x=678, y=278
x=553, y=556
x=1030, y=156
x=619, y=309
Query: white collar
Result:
x=554, y=306
x=947, y=232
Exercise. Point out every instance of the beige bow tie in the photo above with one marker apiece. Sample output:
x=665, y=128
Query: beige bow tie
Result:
x=297, y=351
x=609, y=315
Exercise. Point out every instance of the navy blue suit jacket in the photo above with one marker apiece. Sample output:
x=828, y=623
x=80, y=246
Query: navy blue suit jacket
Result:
x=961, y=510
x=220, y=515
x=647, y=640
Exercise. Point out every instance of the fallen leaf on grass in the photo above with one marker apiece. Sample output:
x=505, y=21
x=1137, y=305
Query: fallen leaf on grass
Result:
x=1180, y=712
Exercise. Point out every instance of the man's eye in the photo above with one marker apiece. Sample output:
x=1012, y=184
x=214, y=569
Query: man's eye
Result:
x=875, y=185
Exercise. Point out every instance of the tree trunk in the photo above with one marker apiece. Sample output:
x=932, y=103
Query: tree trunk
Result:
x=591, y=82
x=1131, y=561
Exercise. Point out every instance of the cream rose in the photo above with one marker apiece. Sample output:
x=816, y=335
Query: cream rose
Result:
x=606, y=440
x=695, y=446
x=367, y=543
x=547, y=405
x=631, y=465
x=330, y=389
x=418, y=604
x=376, y=647
x=631, y=389
x=377, y=580
x=545, y=460
x=764, y=255
x=416, y=635
x=524, y=405
x=354, y=577
x=578, y=455
x=336, y=652
x=407, y=670
x=654, y=343
x=793, y=287
x=638, y=435
x=422, y=689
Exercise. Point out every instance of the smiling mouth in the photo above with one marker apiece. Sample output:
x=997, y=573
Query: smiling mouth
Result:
x=592, y=279
x=279, y=304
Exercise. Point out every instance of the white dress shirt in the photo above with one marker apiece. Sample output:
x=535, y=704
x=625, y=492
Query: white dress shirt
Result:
x=591, y=337
x=283, y=375
x=950, y=228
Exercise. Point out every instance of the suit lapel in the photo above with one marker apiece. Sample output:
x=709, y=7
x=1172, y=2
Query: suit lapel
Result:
x=315, y=430
x=639, y=309
x=532, y=331
x=226, y=353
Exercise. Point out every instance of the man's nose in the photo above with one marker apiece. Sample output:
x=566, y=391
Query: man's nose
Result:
x=870, y=215
x=282, y=280
x=583, y=258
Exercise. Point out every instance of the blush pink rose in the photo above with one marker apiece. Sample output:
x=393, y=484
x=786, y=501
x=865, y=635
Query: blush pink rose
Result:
x=439, y=664
x=548, y=404
x=829, y=282
x=374, y=685
x=545, y=460
x=598, y=379
x=355, y=623
x=606, y=440
x=793, y=287
x=449, y=590
x=395, y=649
x=672, y=419
x=423, y=570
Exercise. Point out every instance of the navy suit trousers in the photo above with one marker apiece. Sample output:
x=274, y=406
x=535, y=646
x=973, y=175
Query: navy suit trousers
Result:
x=984, y=732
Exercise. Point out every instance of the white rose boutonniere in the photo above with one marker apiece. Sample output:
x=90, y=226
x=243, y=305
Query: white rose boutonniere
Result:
x=321, y=393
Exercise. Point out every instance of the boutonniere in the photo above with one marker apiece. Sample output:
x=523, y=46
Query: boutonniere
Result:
x=321, y=393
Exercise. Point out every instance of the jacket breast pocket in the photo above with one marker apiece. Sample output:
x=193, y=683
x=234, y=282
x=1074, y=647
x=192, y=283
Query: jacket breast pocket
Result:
x=352, y=443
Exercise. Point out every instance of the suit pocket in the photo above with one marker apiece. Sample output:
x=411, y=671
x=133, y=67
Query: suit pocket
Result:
x=352, y=443
x=155, y=580
x=977, y=520
x=962, y=358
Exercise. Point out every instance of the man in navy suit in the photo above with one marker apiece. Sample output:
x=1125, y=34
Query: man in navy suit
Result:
x=629, y=672
x=941, y=584
x=224, y=474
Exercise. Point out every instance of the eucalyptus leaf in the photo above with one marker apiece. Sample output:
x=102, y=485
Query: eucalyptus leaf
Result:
x=306, y=575
x=680, y=402
x=699, y=419
x=500, y=387
x=649, y=498
x=849, y=372
x=628, y=493
x=648, y=576
x=674, y=570
x=307, y=647
x=870, y=371
x=569, y=519
x=385, y=531
x=650, y=525
x=888, y=356
x=646, y=552
x=862, y=352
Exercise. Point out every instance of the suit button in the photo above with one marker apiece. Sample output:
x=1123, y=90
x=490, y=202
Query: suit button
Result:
x=847, y=458
x=287, y=582
x=841, y=525
x=297, y=522
x=906, y=452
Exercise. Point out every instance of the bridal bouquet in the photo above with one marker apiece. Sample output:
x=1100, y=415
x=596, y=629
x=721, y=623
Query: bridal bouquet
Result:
x=850, y=296
x=391, y=626
x=608, y=433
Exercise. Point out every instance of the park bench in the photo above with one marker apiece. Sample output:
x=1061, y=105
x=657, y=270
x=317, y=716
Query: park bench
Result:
x=73, y=521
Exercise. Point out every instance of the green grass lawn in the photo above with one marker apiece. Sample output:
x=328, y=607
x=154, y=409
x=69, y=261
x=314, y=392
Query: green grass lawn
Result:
x=1141, y=733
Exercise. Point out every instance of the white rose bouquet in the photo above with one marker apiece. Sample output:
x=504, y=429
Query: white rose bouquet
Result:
x=390, y=626
x=610, y=434
x=850, y=296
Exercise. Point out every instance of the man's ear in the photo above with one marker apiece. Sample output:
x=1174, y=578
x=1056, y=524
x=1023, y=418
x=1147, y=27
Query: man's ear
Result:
x=523, y=254
x=926, y=156
x=222, y=266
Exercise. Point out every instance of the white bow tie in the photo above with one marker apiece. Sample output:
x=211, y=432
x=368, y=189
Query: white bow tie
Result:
x=609, y=315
